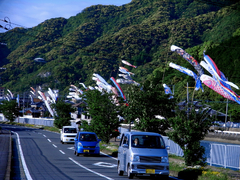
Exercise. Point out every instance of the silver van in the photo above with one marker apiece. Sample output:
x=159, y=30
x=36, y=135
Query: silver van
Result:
x=142, y=153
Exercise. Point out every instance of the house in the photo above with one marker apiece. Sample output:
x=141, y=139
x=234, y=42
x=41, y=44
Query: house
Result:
x=78, y=115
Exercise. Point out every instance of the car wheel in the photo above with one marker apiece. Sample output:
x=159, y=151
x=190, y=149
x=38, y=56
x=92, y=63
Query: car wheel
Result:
x=164, y=177
x=120, y=173
x=97, y=155
x=130, y=175
x=76, y=153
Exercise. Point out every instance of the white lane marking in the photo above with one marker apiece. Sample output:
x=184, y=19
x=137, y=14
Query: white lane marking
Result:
x=49, y=140
x=90, y=169
x=72, y=148
x=104, y=164
x=54, y=146
x=44, y=135
x=28, y=176
x=109, y=156
x=62, y=152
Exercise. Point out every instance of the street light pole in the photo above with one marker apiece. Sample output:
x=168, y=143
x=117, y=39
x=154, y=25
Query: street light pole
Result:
x=226, y=115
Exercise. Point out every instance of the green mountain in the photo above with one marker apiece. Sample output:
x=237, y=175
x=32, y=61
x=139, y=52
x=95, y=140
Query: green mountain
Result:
x=141, y=32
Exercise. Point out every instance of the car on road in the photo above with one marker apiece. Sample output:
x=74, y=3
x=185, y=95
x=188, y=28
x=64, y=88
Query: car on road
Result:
x=68, y=134
x=86, y=143
x=143, y=153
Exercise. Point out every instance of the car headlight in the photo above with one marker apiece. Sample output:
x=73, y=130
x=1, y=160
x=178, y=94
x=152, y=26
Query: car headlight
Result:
x=135, y=158
x=80, y=144
x=97, y=145
x=165, y=159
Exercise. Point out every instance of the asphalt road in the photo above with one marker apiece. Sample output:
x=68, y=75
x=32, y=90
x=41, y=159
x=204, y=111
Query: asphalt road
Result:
x=38, y=155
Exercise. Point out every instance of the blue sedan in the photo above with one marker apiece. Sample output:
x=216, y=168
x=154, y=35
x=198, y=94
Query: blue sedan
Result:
x=86, y=143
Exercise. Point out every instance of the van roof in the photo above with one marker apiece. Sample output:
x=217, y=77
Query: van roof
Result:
x=142, y=133
x=86, y=132
x=69, y=127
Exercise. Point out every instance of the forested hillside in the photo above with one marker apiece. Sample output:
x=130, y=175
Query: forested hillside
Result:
x=141, y=32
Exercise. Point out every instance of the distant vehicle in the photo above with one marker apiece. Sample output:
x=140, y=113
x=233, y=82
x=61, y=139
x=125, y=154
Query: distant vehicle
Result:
x=143, y=153
x=68, y=134
x=86, y=143
x=40, y=60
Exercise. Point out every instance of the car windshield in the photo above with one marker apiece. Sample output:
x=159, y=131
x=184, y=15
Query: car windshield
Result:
x=88, y=137
x=146, y=141
x=70, y=130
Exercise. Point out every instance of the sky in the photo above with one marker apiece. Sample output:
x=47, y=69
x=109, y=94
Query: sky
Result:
x=30, y=13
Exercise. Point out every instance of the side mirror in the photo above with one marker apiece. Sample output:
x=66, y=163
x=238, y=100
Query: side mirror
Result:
x=167, y=148
x=99, y=140
x=125, y=145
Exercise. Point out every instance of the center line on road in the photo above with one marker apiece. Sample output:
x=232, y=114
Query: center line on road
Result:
x=90, y=169
x=54, y=145
x=44, y=135
x=62, y=152
x=49, y=140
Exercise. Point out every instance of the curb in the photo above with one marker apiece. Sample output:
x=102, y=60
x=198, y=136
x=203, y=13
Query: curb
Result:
x=8, y=171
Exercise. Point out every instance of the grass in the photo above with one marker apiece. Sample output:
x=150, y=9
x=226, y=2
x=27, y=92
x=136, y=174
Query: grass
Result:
x=177, y=165
x=198, y=173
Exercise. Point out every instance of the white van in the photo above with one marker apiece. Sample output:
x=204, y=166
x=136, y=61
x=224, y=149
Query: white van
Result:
x=143, y=153
x=67, y=134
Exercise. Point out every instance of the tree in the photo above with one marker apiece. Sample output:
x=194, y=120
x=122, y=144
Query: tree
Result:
x=145, y=103
x=63, y=116
x=10, y=110
x=190, y=126
x=235, y=115
x=104, y=113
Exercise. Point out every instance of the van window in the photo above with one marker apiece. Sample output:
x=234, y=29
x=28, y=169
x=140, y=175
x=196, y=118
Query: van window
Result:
x=87, y=137
x=146, y=141
x=126, y=140
x=70, y=130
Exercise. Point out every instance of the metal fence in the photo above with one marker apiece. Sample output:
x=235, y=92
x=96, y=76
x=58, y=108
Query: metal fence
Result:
x=222, y=155
x=30, y=120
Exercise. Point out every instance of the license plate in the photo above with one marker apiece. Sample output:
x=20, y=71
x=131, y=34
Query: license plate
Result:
x=86, y=150
x=150, y=171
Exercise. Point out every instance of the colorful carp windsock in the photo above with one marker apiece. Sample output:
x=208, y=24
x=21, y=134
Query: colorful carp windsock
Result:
x=189, y=58
x=217, y=87
x=127, y=63
x=212, y=68
x=118, y=87
x=218, y=82
x=125, y=71
x=188, y=72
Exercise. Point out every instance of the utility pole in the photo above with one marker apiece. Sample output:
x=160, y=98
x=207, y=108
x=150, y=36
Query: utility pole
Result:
x=23, y=101
x=226, y=115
